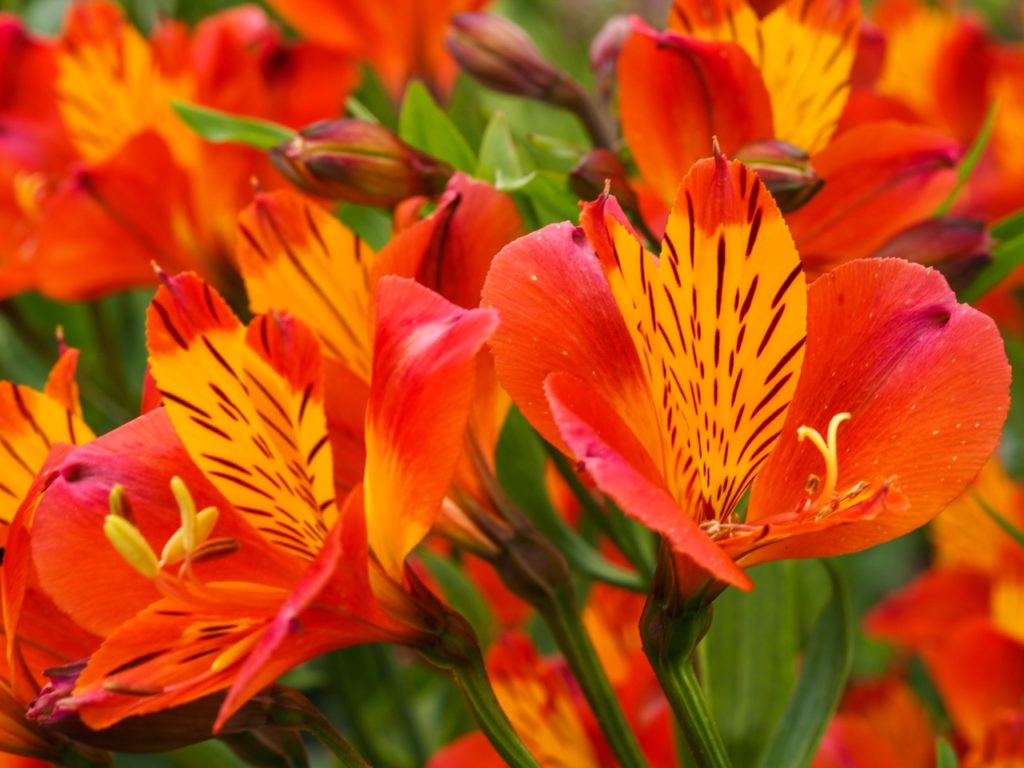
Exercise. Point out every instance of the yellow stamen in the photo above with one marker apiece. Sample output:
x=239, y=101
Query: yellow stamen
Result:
x=131, y=544
x=235, y=652
x=828, y=450
x=187, y=507
x=174, y=550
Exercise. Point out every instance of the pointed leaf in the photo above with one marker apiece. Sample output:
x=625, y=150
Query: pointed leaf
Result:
x=826, y=667
x=219, y=127
x=425, y=126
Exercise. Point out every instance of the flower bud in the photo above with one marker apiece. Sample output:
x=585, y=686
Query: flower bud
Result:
x=784, y=169
x=502, y=57
x=956, y=246
x=597, y=168
x=604, y=52
x=359, y=162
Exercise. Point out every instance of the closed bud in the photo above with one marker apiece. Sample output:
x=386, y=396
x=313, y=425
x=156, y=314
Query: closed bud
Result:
x=359, y=162
x=956, y=246
x=595, y=170
x=784, y=169
x=500, y=55
x=604, y=52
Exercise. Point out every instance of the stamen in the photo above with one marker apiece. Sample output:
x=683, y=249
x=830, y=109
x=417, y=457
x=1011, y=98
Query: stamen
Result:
x=828, y=450
x=187, y=507
x=131, y=545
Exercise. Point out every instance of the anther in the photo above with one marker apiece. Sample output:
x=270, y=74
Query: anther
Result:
x=828, y=449
x=187, y=507
x=131, y=545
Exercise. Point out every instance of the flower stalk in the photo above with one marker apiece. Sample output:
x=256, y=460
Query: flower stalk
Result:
x=671, y=629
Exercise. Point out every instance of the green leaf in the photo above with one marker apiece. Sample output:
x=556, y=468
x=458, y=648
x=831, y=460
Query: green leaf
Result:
x=969, y=161
x=371, y=224
x=826, y=666
x=1008, y=228
x=1006, y=257
x=355, y=108
x=521, y=458
x=216, y=126
x=749, y=659
x=546, y=193
x=945, y=756
x=425, y=126
x=498, y=153
x=1009, y=528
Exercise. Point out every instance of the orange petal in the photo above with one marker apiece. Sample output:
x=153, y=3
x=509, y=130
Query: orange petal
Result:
x=676, y=93
x=879, y=178
x=921, y=614
x=804, y=50
x=401, y=40
x=296, y=257
x=540, y=285
x=719, y=321
x=420, y=395
x=978, y=671
x=248, y=405
x=111, y=87
x=470, y=751
x=595, y=435
x=926, y=383
x=97, y=209
x=31, y=423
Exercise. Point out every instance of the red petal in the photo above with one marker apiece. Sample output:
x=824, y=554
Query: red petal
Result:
x=879, y=178
x=677, y=92
x=926, y=382
x=558, y=314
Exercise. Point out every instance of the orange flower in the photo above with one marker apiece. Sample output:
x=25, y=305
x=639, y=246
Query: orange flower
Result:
x=36, y=430
x=964, y=616
x=677, y=380
x=400, y=40
x=722, y=71
x=549, y=714
x=297, y=258
x=263, y=565
x=880, y=724
x=102, y=135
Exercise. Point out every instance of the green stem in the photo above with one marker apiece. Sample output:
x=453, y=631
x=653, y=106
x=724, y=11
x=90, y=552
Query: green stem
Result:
x=293, y=710
x=670, y=630
x=679, y=681
x=471, y=676
x=563, y=619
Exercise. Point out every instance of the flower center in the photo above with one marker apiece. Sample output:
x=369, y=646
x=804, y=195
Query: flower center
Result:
x=185, y=544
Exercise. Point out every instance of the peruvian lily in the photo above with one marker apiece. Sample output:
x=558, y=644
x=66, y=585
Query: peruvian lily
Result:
x=261, y=564
x=862, y=405
x=36, y=430
x=101, y=133
x=296, y=258
x=723, y=71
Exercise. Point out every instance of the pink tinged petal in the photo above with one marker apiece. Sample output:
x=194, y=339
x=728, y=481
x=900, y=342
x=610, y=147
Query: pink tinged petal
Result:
x=558, y=314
